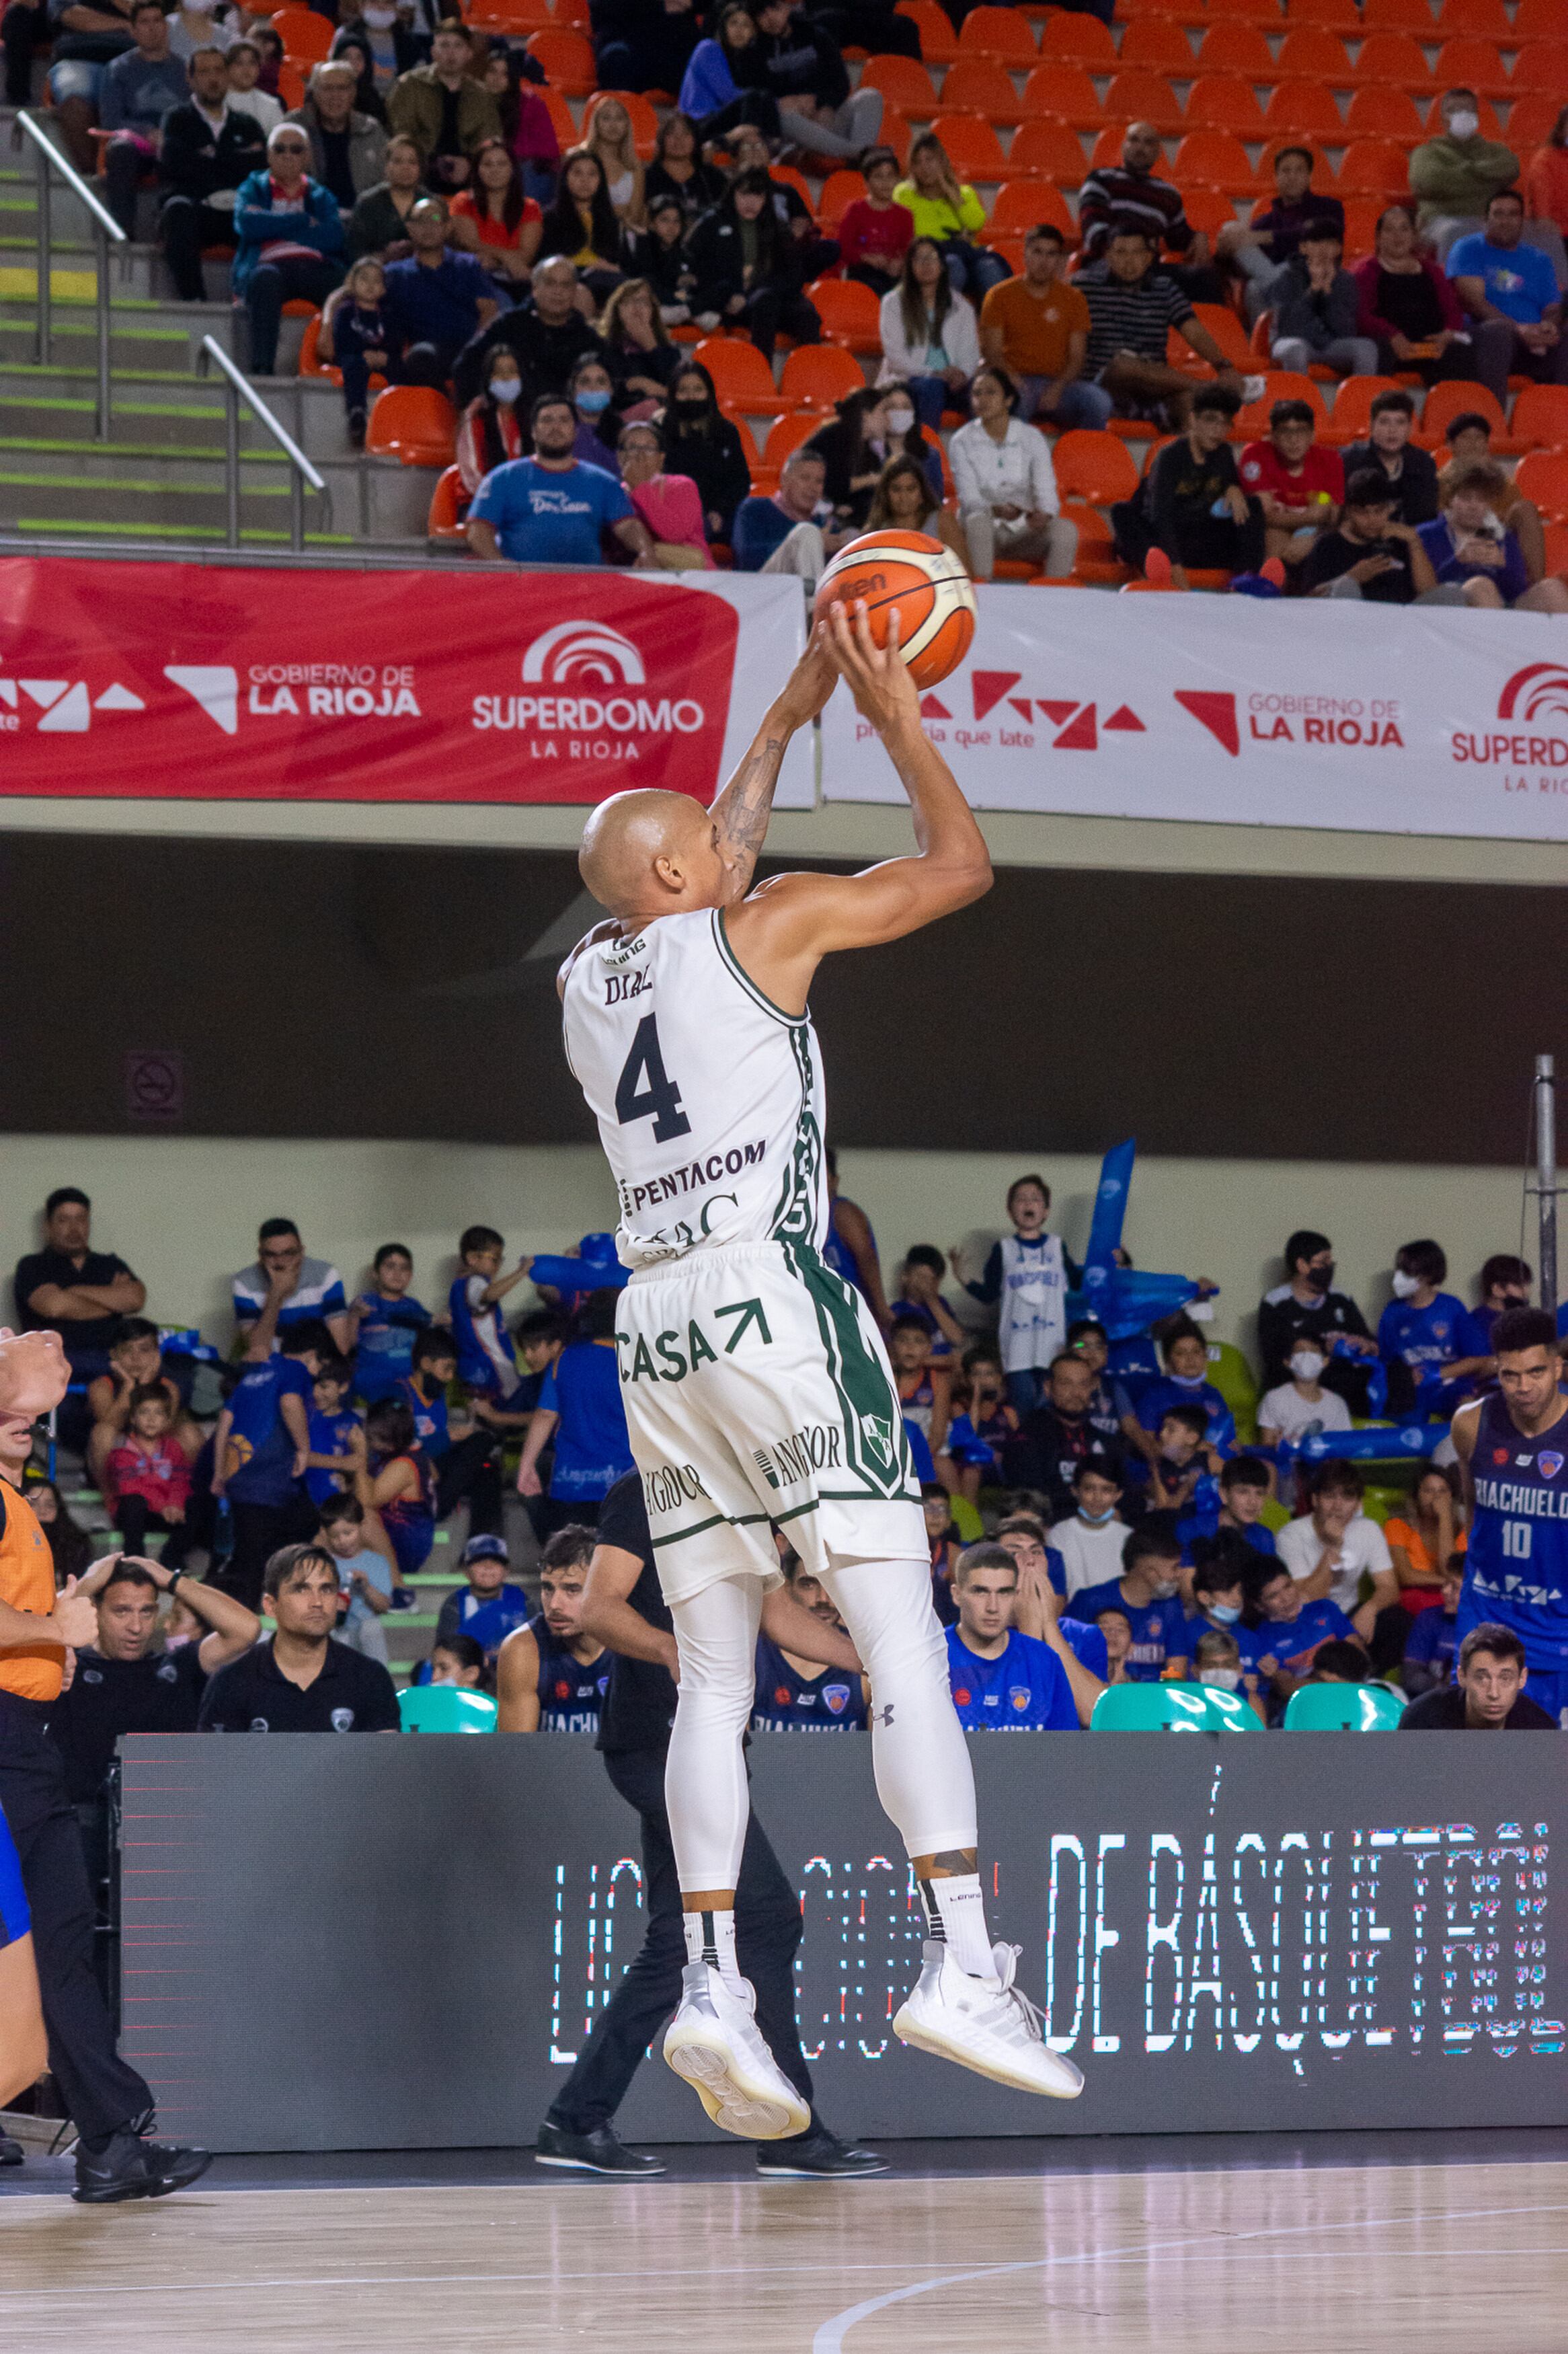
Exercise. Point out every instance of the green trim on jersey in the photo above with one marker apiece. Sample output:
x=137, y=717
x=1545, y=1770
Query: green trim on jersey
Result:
x=716, y=1521
x=795, y=1218
x=870, y=1405
x=758, y=996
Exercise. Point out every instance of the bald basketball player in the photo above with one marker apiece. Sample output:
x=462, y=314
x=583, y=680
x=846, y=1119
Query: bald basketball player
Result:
x=759, y=1394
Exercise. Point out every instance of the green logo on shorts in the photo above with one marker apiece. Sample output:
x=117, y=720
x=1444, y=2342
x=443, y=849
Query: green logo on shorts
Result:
x=878, y=1430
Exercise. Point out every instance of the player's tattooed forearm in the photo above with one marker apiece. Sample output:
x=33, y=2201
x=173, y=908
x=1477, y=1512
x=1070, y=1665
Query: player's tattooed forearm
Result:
x=746, y=802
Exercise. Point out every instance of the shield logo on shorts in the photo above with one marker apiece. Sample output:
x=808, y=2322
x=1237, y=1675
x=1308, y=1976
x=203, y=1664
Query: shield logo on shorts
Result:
x=342, y=1719
x=879, y=1432
x=835, y=1698
x=1551, y=1464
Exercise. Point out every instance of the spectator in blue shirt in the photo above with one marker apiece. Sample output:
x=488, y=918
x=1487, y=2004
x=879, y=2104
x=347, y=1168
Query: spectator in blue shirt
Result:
x=920, y=1296
x=464, y=1454
x=261, y=1445
x=1147, y=1592
x=435, y=301
x=1469, y=546
x=386, y=1322
x=1511, y=290
x=1243, y=1490
x=1185, y=1382
x=1421, y=1332
x=551, y=508
x=580, y=1407
x=289, y=233
x=1003, y=1682
x=488, y=1608
x=337, y=1442
x=1280, y=1642
x=486, y=1361
x=311, y=1288
x=138, y=89
x=793, y=531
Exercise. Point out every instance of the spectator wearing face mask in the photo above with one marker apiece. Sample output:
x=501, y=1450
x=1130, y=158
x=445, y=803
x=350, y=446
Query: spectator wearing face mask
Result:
x=705, y=447
x=1506, y=1282
x=590, y=388
x=871, y=428
x=1090, y=1542
x=1300, y=1407
x=1307, y=1302
x=1421, y=1334
x=1457, y=174
x=490, y=434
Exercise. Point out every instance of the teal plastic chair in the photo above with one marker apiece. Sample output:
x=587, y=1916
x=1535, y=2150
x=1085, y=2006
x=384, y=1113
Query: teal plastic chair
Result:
x=1153, y=1708
x=1228, y=1712
x=1343, y=1708
x=445, y=1708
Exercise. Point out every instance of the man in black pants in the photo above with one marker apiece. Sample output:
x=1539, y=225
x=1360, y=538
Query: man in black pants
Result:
x=623, y=1607
x=109, y=2102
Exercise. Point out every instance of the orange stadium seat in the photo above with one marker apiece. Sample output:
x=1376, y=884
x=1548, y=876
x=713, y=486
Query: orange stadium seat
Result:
x=1106, y=149
x=1064, y=94
x=447, y=500
x=1360, y=226
x=414, y=423
x=1208, y=211
x=560, y=114
x=1466, y=64
x=1394, y=58
x=1532, y=119
x=568, y=62
x=1248, y=12
x=1539, y=420
x=1024, y=205
x=1350, y=420
x=904, y=83
x=1540, y=66
x=849, y=313
x=1079, y=41
x=1217, y=104
x=1540, y=20
x=1050, y=149
x=1303, y=109
x=1384, y=114
x=1238, y=49
x=1097, y=467
x=1331, y=15
x=1311, y=53
x=304, y=34
x=840, y=190
x=786, y=435
x=1400, y=17
x=1448, y=400
x=1282, y=384
x=818, y=376
x=999, y=33
x=787, y=176
x=1543, y=478
x=1227, y=332
x=980, y=86
x=1372, y=167
x=742, y=377
x=1483, y=20
x=1555, y=536
x=1214, y=159
x=972, y=148
x=939, y=42
x=1157, y=45
x=1142, y=97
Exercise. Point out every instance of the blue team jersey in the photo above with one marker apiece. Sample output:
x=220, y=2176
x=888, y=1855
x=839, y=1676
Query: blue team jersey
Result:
x=1023, y=1690
x=1204, y=1522
x=1160, y=1632
x=917, y=1311
x=329, y=1436
x=981, y=1443
x=920, y=1449
x=491, y=1621
x=429, y=1418
x=486, y=1361
x=384, y=1353
x=1161, y=1396
x=1086, y=1644
x=786, y=1701
x=1434, y=1639
x=592, y=1450
x=259, y=1445
x=1425, y=1338
x=1516, y=1567
x=837, y=1252
x=570, y=1692
x=1293, y=1641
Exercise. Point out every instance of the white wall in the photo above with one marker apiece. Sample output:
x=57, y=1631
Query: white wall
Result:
x=184, y=1211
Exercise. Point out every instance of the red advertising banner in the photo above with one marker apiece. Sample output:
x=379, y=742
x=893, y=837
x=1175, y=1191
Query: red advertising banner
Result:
x=192, y=682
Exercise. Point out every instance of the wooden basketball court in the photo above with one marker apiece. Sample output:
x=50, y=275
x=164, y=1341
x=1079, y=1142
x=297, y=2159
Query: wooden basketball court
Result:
x=1318, y=2259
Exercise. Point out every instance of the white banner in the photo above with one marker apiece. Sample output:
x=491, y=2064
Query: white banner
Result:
x=1240, y=711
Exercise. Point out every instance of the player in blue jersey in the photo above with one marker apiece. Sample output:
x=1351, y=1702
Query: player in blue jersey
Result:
x=551, y=1676
x=1513, y=1445
x=386, y=1322
x=1422, y=1332
x=795, y=1694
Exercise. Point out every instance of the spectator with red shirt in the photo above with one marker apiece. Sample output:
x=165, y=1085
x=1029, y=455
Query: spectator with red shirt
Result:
x=490, y=434
x=149, y=1477
x=1298, y=484
x=875, y=234
x=495, y=220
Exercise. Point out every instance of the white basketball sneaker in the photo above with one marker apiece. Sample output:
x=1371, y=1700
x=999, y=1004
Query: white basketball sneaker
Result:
x=985, y=2024
x=713, y=2041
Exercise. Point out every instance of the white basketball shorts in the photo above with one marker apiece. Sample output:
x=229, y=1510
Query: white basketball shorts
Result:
x=758, y=1395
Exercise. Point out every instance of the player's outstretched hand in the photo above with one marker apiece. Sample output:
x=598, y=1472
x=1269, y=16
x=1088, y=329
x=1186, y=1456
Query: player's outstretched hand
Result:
x=876, y=675
x=810, y=684
x=34, y=1373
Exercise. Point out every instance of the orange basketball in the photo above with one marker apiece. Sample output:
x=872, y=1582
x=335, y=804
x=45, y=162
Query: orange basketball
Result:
x=933, y=593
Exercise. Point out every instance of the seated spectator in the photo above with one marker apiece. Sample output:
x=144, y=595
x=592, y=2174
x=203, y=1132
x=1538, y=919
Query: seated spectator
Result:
x=437, y=300
x=1273, y=236
x=929, y=342
x=1410, y=473
x=1330, y=1549
x=389, y=47
x=711, y=97
x=378, y=225
x=946, y=1544
x=1546, y=178
x=1505, y=1282
x=460, y=1660
x=464, y=1450
x=546, y=335
x=1058, y=1436
x=1284, y=1631
x=705, y=447
x=1306, y=1303
x=1008, y=500
x=874, y=232
x=925, y=1385
x=1488, y=1695
x=1300, y=1407
x=298, y=1680
x=1468, y=546
x=495, y=220
x=793, y=531
x=1130, y=196
x=1512, y=295
x=1132, y=308
x=140, y=87
x=444, y=109
x=1469, y=439
x=1316, y=303
x=977, y=1435
x=243, y=73
x=1408, y=308
x=869, y=428
x=637, y=47
x=488, y=1608
x=946, y=210
x=82, y=1294
x=369, y=1575
x=639, y=354
x=678, y=170
x=383, y=1323
x=489, y=434
x=1110, y=1407
x=1223, y=1565
x=550, y=1676
x=135, y=1362
x=289, y=233
x=1146, y=1594
x=1217, y=1661
x=1372, y=554
x=1421, y=1333
x=337, y=1439
x=209, y=144
x=356, y=335
x=658, y=258
x=667, y=504
x=147, y=1476
x=747, y=270
x=799, y=66
x=1179, y=1480
x=590, y=388
x=1431, y=1646
x=920, y=1294
x=608, y=134
x=1190, y=504
x=527, y=126
x=1457, y=174
x=126, y=1680
x=811, y=254
x=581, y=222
x=1245, y=1487
x=580, y=1409
x=199, y=25
x=1090, y=1542
x=1037, y=328
x=349, y=150
x=1185, y=1355
x=260, y=1445
x=1298, y=484
x=1115, y=1630
x=1424, y=1540
x=550, y=508
x=394, y=1478
x=1339, y=1663
x=84, y=49
x=310, y=1290
x=1003, y=1681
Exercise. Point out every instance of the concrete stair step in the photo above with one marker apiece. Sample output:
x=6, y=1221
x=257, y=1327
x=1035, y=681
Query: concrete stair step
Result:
x=142, y=332
x=44, y=458
x=195, y=425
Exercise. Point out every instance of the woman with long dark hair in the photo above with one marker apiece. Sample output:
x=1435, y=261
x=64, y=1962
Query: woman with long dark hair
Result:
x=581, y=224
x=905, y=501
x=526, y=123
x=748, y=269
x=871, y=426
x=702, y=444
x=1408, y=307
x=69, y=1544
x=678, y=170
x=930, y=337
x=637, y=346
x=491, y=433
x=495, y=220
x=712, y=98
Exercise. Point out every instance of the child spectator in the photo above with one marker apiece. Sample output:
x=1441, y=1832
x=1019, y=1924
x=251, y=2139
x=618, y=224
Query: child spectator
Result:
x=1372, y=554
x=1217, y=1660
x=261, y=1442
x=1468, y=546
x=1006, y=485
x=1332, y=1548
x=488, y=1608
x=149, y=1477
x=1316, y=304
x=1004, y=1682
x=1279, y=1643
x=1339, y=1663
x=460, y=1660
x=337, y=1442
x=464, y=1455
x=1301, y=1407
x=370, y=1577
x=947, y=209
x=1090, y=1544
x=485, y=1361
x=357, y=337
x=1420, y=1333
x=70, y=1544
x=386, y=1322
x=977, y=1436
x=1026, y=1279
x=1147, y=1592
x=945, y=1546
x=395, y=1479
x=874, y=233
x=920, y=1299
x=1185, y=1356
x=135, y=1362
x=1190, y=504
x=1421, y=1541
x=1299, y=485
x=1177, y=1467
x=930, y=342
x=1469, y=439
x=1431, y=1646
x=1115, y=1629
x=1410, y=475
x=925, y=1389
x=1221, y=1569
x=580, y=1407
x=1243, y=1490
x=658, y=258
x=1306, y=1303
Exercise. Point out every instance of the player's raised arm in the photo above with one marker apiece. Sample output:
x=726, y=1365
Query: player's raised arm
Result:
x=741, y=811
x=782, y=931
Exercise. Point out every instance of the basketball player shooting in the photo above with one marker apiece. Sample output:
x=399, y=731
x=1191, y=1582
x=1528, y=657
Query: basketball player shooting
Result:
x=759, y=1392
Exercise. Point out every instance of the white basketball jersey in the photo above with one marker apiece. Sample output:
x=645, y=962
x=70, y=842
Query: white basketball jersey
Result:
x=708, y=1098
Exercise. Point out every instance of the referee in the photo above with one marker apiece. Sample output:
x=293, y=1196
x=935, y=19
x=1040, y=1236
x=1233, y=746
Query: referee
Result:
x=623, y=1607
x=108, y=2101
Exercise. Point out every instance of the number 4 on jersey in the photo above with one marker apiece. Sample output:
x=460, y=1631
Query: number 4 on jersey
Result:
x=659, y=1100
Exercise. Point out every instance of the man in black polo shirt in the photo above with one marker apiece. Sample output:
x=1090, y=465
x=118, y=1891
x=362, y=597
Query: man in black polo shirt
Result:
x=623, y=1607
x=81, y=1294
x=1489, y=1695
x=300, y=1680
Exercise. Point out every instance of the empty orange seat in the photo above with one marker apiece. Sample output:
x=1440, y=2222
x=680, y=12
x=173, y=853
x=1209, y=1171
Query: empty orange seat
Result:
x=849, y=313
x=1214, y=159
x=818, y=376
x=1360, y=226
x=1555, y=538
x=1446, y=400
x=303, y=33
x=1400, y=17
x=1539, y=419
x=1049, y=149
x=742, y=377
x=1532, y=120
x=980, y=86
x=840, y=190
x=447, y=500
x=1155, y=44
x=786, y=435
x=1106, y=149
x=1331, y=15
x=1371, y=167
x=1540, y=20
x=414, y=423
x=1235, y=49
x=1096, y=467
x=1351, y=417
x=1470, y=64
x=568, y=62
x=1227, y=332
x=1248, y=12
x=1392, y=58
x=1543, y=478
x=1064, y=94
x=1311, y=53
x=972, y=148
x=904, y=83
x=1143, y=98
x=1079, y=41
x=999, y=33
x=1208, y=211
x=1217, y=104
x=939, y=42
x=1303, y=109
x=1022, y=205
x=1483, y=20
x=1382, y=113
x=1543, y=65
x=1284, y=383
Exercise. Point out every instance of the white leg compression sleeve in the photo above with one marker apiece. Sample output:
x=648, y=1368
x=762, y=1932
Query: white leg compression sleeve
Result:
x=922, y=1763
x=705, y=1774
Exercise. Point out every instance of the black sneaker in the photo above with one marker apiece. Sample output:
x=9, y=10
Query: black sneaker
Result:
x=134, y=2169
x=597, y=2152
x=356, y=429
x=820, y=2155
x=11, y=2152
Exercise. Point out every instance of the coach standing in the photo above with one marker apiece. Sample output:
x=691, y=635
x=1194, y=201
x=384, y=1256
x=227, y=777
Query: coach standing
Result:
x=109, y=2103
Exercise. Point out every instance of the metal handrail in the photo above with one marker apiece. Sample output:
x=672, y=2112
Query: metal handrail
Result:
x=237, y=387
x=105, y=229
